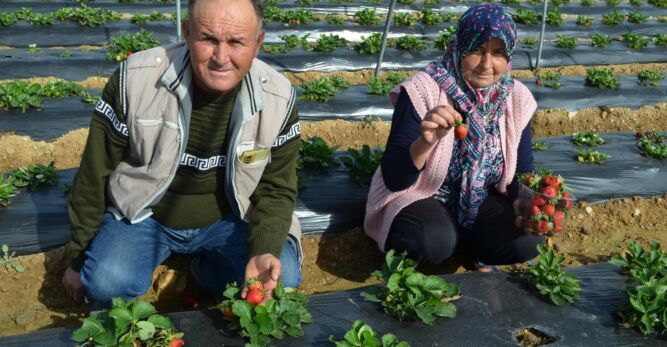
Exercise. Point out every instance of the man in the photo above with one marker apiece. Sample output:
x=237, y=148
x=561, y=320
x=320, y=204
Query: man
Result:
x=192, y=149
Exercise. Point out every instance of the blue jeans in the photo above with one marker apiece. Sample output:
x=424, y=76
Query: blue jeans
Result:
x=122, y=256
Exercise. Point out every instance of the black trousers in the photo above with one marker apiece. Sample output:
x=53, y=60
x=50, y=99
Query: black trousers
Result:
x=429, y=233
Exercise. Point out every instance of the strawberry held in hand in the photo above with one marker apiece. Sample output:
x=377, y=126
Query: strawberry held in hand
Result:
x=460, y=130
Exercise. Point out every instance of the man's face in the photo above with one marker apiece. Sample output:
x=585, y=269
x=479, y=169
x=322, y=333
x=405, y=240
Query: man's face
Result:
x=223, y=39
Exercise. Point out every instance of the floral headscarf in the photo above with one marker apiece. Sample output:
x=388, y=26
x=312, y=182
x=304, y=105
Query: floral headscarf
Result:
x=478, y=24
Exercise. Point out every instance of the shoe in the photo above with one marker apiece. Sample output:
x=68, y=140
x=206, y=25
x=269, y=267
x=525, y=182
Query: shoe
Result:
x=481, y=267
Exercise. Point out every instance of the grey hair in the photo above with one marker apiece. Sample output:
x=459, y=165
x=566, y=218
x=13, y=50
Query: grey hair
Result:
x=258, y=6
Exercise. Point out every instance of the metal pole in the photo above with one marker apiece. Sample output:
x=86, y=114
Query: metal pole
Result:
x=178, y=20
x=387, y=24
x=541, y=43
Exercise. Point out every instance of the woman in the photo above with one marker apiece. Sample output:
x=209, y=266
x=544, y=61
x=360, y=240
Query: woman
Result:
x=433, y=191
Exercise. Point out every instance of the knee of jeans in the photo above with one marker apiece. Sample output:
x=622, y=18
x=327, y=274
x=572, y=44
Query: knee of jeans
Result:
x=290, y=269
x=526, y=248
x=438, y=246
x=107, y=282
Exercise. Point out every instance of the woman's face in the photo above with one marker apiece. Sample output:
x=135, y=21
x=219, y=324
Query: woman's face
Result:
x=485, y=65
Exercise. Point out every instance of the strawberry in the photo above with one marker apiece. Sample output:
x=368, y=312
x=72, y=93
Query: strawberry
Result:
x=254, y=283
x=189, y=300
x=538, y=200
x=178, y=342
x=558, y=218
x=552, y=181
x=549, y=209
x=566, y=201
x=544, y=226
x=227, y=311
x=254, y=296
x=129, y=53
x=639, y=135
x=535, y=210
x=549, y=192
x=293, y=21
x=460, y=131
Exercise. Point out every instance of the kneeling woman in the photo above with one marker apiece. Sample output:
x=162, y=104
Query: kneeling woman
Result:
x=434, y=192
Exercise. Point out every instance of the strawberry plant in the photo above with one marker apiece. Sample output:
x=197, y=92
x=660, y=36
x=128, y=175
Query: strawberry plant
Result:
x=123, y=46
x=367, y=17
x=410, y=294
x=635, y=41
x=539, y=146
x=566, y=42
x=550, y=279
x=652, y=145
x=591, y=156
x=543, y=202
x=7, y=19
x=431, y=2
x=600, y=40
x=315, y=153
x=9, y=261
x=329, y=43
x=647, y=285
x=32, y=48
x=34, y=176
x=87, y=16
x=636, y=17
x=444, y=37
x=636, y=3
x=294, y=41
x=523, y=16
x=379, y=86
x=404, y=19
x=613, y=18
x=65, y=54
x=410, y=43
x=584, y=21
x=554, y=17
x=428, y=17
x=602, y=78
x=529, y=42
x=90, y=98
x=587, y=139
x=549, y=79
x=658, y=3
x=298, y=16
x=334, y=19
x=281, y=315
x=322, y=89
x=42, y=19
x=510, y=2
x=131, y=323
x=587, y=3
x=406, y=2
x=7, y=190
x=369, y=45
x=60, y=89
x=24, y=13
x=362, y=164
x=648, y=78
x=660, y=39
x=613, y=3
x=559, y=3
x=272, y=14
x=362, y=335
x=275, y=48
x=20, y=95
x=154, y=16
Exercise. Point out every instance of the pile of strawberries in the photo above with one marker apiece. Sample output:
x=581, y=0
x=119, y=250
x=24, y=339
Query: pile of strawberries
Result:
x=544, y=202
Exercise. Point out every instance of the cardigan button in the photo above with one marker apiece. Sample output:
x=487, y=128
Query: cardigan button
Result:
x=158, y=59
x=263, y=79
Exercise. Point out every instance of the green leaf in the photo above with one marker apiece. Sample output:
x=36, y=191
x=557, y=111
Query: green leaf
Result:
x=294, y=331
x=242, y=309
x=266, y=325
x=260, y=340
x=394, y=281
x=372, y=294
x=426, y=313
x=232, y=291
x=146, y=330
x=250, y=327
x=389, y=340
x=446, y=309
x=90, y=327
x=122, y=317
x=160, y=321
x=142, y=309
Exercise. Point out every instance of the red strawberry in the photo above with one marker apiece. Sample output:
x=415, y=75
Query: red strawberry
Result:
x=189, y=300
x=549, y=192
x=639, y=135
x=254, y=283
x=254, y=296
x=129, y=53
x=178, y=342
x=293, y=21
x=227, y=311
x=544, y=227
x=566, y=201
x=549, y=209
x=558, y=218
x=460, y=131
x=538, y=200
x=535, y=210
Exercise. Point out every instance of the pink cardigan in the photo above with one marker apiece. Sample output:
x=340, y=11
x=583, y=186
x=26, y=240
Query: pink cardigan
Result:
x=424, y=92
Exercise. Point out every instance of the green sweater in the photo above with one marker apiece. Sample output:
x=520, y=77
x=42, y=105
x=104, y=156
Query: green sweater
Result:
x=196, y=196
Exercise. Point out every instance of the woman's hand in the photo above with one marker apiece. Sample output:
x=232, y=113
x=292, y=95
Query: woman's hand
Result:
x=519, y=220
x=435, y=125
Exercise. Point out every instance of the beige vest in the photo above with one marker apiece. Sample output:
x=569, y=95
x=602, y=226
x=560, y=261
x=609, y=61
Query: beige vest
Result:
x=155, y=88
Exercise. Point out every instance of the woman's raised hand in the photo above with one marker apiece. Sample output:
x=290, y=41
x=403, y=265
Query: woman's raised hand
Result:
x=437, y=122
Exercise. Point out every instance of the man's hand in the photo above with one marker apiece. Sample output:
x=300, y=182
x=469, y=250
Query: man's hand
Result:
x=72, y=282
x=266, y=268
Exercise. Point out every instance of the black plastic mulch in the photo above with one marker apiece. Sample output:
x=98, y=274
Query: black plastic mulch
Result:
x=492, y=309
